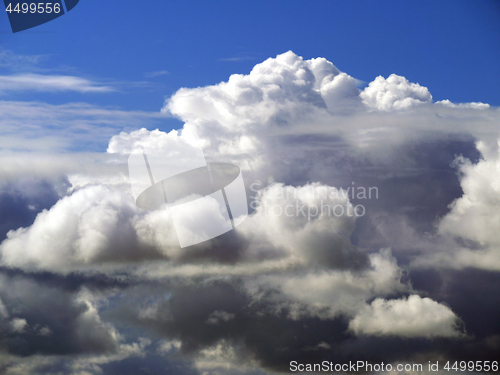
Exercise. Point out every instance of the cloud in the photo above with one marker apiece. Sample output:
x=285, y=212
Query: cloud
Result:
x=219, y=316
x=410, y=317
x=102, y=226
x=328, y=294
x=236, y=58
x=152, y=141
x=303, y=278
x=14, y=61
x=91, y=364
x=312, y=223
x=95, y=225
x=50, y=83
x=42, y=127
x=166, y=346
x=3, y=311
x=18, y=325
x=475, y=214
x=473, y=105
x=394, y=93
x=20, y=201
x=275, y=90
x=473, y=217
x=156, y=73
x=34, y=328
x=224, y=358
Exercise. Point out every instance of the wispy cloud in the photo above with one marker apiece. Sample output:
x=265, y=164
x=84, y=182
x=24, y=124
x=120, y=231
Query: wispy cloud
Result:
x=236, y=58
x=360, y=84
x=41, y=126
x=15, y=62
x=156, y=73
x=50, y=83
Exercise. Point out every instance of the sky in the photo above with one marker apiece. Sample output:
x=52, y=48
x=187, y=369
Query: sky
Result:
x=367, y=144
x=451, y=48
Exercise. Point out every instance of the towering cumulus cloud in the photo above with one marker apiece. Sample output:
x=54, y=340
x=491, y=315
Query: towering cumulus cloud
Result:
x=369, y=211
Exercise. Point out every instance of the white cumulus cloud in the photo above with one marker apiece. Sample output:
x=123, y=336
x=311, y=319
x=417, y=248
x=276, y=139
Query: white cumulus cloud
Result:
x=408, y=317
x=394, y=93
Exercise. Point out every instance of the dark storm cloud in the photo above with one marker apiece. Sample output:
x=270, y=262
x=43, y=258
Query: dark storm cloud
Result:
x=73, y=282
x=151, y=365
x=473, y=295
x=273, y=339
x=57, y=321
x=417, y=174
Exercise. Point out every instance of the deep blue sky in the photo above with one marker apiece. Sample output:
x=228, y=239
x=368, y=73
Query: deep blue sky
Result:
x=452, y=47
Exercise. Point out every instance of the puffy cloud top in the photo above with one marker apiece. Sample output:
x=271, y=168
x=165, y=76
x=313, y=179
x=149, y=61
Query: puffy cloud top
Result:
x=270, y=88
x=412, y=317
x=395, y=92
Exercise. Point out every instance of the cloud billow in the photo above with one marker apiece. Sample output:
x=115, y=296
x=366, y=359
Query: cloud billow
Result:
x=291, y=282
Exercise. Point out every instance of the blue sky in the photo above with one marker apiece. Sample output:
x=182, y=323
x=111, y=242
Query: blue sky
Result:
x=152, y=48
